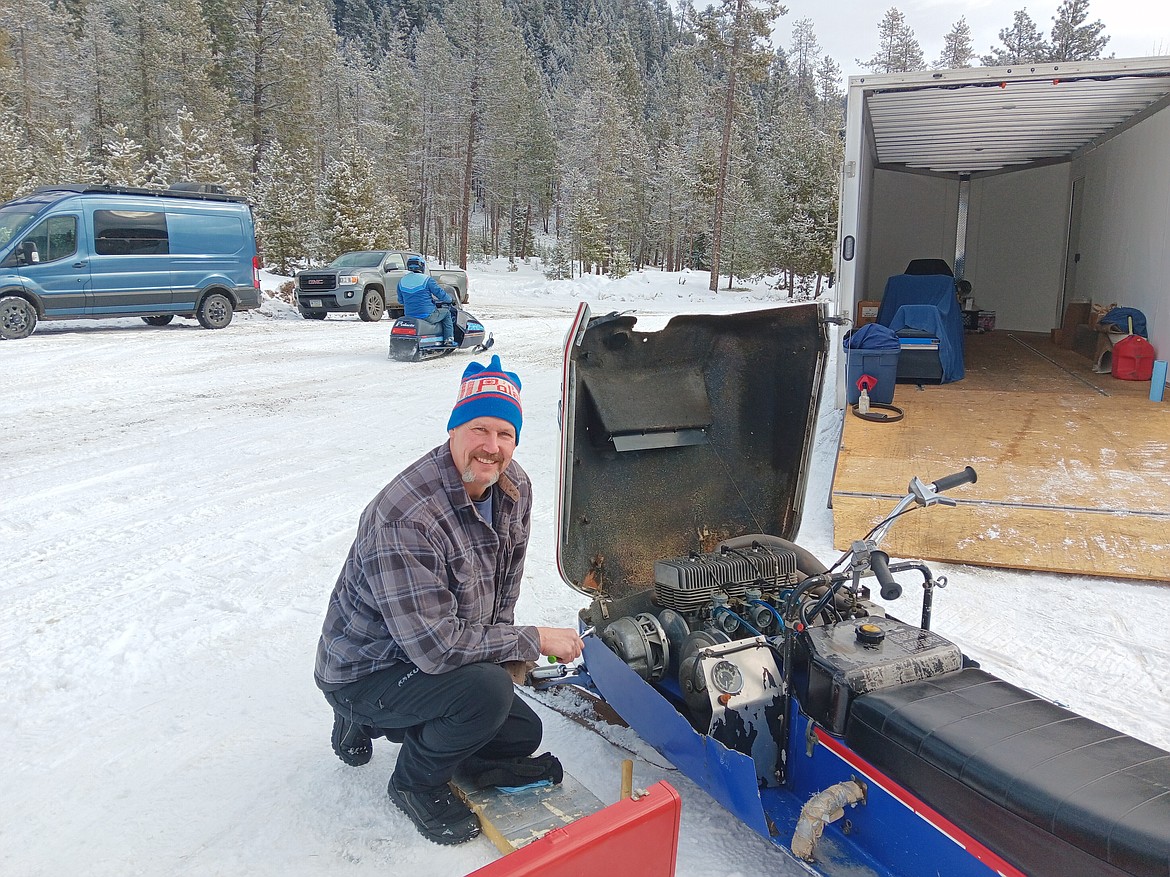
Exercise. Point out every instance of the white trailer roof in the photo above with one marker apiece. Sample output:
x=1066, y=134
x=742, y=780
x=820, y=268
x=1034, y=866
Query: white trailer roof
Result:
x=994, y=118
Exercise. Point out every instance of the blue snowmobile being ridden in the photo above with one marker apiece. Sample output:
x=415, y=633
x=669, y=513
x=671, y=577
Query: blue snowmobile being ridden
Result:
x=433, y=324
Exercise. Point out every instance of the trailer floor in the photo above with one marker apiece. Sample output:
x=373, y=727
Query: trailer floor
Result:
x=1074, y=467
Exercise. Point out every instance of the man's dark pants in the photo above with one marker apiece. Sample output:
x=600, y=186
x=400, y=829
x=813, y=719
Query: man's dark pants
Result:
x=441, y=719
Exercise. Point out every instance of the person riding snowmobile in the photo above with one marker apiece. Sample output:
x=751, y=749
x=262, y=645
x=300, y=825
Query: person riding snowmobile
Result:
x=423, y=299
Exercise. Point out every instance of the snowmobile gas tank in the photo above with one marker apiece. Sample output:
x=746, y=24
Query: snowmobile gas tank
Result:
x=674, y=440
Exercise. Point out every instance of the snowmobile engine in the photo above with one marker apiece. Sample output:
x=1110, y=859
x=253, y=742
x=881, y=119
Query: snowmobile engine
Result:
x=688, y=584
x=700, y=600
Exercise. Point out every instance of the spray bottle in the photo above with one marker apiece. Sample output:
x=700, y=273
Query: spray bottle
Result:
x=865, y=383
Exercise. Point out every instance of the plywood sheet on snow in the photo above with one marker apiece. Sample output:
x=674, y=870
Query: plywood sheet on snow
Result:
x=1074, y=467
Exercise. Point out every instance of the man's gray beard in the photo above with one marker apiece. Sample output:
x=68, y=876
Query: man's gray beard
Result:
x=469, y=477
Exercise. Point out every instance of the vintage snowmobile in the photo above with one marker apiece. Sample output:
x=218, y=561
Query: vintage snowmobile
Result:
x=860, y=743
x=413, y=340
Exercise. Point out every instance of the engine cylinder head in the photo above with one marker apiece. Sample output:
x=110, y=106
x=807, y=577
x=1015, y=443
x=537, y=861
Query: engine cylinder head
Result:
x=691, y=584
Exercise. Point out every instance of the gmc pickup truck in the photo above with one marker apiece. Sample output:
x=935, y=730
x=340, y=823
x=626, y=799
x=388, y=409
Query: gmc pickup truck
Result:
x=366, y=283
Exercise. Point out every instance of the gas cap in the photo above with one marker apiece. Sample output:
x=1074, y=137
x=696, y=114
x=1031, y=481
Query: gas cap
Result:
x=870, y=634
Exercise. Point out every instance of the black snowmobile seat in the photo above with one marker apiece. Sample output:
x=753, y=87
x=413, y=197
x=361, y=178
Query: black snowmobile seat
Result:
x=1049, y=790
x=929, y=266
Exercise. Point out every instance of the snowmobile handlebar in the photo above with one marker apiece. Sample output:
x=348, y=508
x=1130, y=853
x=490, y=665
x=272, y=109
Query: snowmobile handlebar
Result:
x=922, y=494
x=864, y=557
x=879, y=562
x=967, y=476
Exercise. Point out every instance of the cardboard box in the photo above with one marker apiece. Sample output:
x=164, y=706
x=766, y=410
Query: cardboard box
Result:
x=1097, y=312
x=867, y=311
x=1076, y=313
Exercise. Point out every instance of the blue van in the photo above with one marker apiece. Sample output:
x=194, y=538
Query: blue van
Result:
x=76, y=251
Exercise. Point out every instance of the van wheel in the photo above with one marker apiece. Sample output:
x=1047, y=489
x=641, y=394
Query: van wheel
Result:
x=214, y=312
x=18, y=317
x=159, y=320
x=372, y=307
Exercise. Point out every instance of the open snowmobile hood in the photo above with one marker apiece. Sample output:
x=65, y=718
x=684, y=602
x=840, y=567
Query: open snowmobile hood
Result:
x=674, y=440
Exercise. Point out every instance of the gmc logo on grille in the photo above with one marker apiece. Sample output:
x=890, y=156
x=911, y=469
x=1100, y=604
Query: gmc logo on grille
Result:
x=314, y=281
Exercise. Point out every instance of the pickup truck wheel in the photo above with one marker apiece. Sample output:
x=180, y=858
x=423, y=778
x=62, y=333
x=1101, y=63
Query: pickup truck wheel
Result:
x=214, y=312
x=372, y=307
x=18, y=317
x=158, y=319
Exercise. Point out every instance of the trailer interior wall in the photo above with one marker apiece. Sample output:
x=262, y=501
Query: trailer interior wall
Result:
x=911, y=216
x=1017, y=231
x=1125, y=227
x=1017, y=224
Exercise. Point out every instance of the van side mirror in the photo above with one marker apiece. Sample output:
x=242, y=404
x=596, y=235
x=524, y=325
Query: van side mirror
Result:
x=29, y=251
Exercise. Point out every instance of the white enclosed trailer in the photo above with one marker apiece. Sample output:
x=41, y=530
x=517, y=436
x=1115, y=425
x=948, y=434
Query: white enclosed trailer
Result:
x=1041, y=185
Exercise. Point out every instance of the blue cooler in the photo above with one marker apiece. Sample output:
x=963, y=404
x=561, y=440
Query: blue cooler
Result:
x=871, y=350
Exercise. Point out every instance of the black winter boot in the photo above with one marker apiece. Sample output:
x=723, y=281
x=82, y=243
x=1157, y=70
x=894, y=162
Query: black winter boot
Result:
x=519, y=771
x=438, y=813
x=351, y=741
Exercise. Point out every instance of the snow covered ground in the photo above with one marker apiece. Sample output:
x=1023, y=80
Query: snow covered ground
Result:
x=175, y=504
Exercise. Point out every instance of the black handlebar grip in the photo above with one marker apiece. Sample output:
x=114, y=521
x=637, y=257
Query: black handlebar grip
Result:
x=879, y=563
x=967, y=476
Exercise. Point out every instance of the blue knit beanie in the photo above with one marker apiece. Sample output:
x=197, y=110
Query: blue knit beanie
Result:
x=488, y=391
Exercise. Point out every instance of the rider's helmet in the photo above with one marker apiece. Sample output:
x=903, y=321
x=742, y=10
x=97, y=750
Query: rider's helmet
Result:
x=416, y=264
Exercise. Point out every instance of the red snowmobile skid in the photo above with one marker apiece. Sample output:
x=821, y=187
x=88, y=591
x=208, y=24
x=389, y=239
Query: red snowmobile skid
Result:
x=637, y=835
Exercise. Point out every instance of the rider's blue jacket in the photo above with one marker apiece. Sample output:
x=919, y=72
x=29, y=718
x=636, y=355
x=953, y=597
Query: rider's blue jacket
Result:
x=420, y=294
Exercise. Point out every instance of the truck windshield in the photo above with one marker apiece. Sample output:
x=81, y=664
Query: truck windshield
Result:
x=357, y=260
x=14, y=220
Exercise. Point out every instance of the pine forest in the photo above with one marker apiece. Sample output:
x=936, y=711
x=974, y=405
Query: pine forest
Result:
x=597, y=135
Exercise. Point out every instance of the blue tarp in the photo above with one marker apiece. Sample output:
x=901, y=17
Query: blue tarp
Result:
x=928, y=318
x=934, y=308
x=1120, y=318
x=873, y=350
x=872, y=336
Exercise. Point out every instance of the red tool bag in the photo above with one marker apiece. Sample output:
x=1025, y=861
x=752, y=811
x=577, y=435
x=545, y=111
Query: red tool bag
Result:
x=1133, y=359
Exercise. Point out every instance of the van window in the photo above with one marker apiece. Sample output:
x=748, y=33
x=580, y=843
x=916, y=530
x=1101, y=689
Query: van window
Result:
x=55, y=237
x=13, y=220
x=130, y=233
x=202, y=233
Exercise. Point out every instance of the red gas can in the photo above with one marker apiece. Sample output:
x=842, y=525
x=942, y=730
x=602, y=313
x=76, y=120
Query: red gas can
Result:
x=1133, y=359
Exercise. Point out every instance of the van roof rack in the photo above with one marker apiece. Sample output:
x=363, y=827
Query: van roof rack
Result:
x=89, y=188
